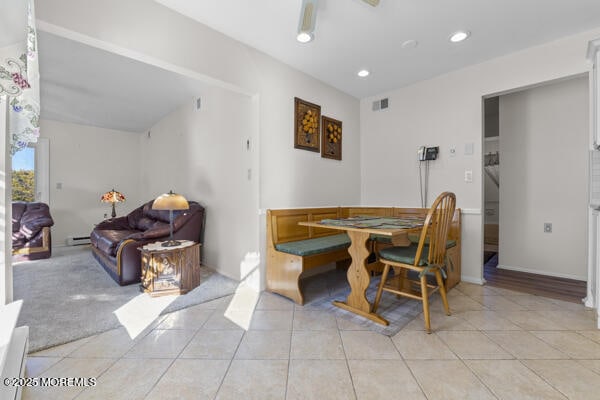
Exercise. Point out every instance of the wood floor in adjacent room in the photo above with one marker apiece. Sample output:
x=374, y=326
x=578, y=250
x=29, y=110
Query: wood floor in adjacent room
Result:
x=541, y=285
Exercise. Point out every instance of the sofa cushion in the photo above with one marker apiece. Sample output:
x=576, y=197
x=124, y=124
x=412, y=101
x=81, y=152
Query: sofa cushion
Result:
x=315, y=246
x=144, y=223
x=18, y=208
x=18, y=240
x=108, y=240
x=159, y=229
x=35, y=217
x=159, y=215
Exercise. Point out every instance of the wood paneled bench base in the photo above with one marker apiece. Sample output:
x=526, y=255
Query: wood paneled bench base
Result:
x=284, y=270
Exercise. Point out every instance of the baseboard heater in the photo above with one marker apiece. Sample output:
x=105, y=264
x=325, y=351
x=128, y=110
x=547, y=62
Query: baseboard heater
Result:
x=77, y=240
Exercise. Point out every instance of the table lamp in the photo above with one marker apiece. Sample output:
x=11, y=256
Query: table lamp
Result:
x=112, y=197
x=170, y=201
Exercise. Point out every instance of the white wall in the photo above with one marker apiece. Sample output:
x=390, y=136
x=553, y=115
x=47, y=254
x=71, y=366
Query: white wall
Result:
x=203, y=155
x=298, y=178
x=447, y=111
x=198, y=51
x=544, y=169
x=89, y=161
x=287, y=177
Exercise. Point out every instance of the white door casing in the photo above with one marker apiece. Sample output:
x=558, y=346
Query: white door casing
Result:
x=591, y=300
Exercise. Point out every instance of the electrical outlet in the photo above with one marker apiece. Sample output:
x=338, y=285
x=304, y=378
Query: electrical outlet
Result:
x=548, y=227
x=468, y=176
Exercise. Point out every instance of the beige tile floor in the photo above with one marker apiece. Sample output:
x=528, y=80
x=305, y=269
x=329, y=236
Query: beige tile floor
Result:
x=497, y=344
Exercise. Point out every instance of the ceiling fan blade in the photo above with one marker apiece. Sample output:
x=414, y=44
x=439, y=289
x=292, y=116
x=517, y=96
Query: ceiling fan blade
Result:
x=373, y=3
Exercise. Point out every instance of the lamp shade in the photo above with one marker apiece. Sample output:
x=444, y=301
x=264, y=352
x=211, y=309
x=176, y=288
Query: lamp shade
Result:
x=112, y=197
x=170, y=201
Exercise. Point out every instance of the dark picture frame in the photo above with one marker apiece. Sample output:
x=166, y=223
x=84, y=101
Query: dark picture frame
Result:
x=307, y=125
x=331, y=139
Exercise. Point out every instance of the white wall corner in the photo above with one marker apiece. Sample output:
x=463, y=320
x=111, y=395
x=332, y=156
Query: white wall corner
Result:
x=473, y=279
x=6, y=276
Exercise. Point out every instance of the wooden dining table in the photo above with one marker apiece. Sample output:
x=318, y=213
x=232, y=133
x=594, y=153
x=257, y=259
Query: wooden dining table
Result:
x=359, y=229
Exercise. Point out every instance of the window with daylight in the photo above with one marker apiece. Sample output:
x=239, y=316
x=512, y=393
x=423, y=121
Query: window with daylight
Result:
x=23, y=175
x=31, y=172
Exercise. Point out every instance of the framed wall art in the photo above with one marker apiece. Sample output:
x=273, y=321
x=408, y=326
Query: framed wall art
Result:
x=307, y=118
x=331, y=140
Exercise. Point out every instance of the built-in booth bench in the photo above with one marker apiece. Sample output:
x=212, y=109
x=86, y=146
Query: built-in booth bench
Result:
x=293, y=249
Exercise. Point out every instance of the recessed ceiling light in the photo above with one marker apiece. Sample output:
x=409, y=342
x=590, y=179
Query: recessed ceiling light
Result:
x=304, y=37
x=409, y=44
x=459, y=36
x=363, y=73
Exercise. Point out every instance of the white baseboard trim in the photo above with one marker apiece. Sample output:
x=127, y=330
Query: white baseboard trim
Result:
x=472, y=279
x=539, y=272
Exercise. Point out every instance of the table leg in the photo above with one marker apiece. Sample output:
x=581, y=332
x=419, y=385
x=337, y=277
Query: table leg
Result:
x=359, y=279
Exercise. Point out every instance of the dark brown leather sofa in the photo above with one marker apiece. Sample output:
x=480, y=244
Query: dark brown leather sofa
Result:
x=116, y=242
x=31, y=238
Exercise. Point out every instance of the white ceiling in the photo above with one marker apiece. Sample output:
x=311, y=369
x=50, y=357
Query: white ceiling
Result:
x=351, y=35
x=13, y=28
x=85, y=85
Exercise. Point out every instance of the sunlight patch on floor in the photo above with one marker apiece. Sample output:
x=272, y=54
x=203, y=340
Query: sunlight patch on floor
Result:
x=241, y=307
x=139, y=313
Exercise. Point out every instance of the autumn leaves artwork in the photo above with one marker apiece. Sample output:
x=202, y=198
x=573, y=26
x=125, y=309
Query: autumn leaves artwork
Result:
x=307, y=129
x=332, y=139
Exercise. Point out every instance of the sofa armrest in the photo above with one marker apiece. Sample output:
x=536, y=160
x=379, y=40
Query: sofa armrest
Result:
x=120, y=223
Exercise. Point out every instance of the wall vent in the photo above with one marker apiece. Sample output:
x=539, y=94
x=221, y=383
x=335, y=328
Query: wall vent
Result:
x=77, y=240
x=381, y=104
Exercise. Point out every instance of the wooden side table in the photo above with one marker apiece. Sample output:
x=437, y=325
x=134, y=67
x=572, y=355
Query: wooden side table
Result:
x=170, y=270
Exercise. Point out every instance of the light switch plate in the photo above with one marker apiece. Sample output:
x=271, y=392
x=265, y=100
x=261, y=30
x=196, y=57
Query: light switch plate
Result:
x=469, y=148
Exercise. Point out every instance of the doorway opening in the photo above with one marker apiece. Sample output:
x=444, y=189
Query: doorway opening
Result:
x=535, y=189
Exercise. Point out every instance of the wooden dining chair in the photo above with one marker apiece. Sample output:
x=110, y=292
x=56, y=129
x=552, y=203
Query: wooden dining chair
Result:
x=427, y=257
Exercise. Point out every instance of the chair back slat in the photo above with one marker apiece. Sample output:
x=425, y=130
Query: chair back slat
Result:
x=436, y=227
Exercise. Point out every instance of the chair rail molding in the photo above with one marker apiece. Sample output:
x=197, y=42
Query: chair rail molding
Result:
x=470, y=211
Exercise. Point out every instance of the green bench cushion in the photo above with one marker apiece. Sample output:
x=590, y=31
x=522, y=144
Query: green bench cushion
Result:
x=315, y=246
x=413, y=237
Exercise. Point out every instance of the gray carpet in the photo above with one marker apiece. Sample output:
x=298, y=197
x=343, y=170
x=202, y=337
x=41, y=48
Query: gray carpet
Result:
x=70, y=296
x=321, y=290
